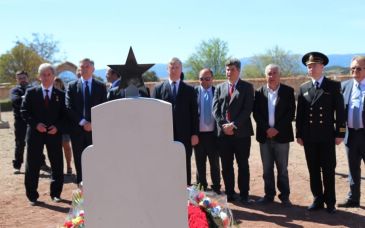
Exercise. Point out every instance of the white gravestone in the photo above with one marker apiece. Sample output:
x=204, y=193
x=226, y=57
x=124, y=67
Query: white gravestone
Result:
x=134, y=174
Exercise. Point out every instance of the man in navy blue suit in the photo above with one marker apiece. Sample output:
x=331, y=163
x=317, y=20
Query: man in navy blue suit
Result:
x=184, y=109
x=81, y=96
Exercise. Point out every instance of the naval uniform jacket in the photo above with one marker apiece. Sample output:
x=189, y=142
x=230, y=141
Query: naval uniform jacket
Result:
x=320, y=112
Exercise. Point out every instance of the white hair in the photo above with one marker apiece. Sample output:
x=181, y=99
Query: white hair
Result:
x=272, y=66
x=45, y=66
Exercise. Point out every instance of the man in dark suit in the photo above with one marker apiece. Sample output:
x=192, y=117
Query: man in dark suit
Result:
x=353, y=92
x=184, y=109
x=207, y=133
x=20, y=126
x=232, y=107
x=320, y=125
x=113, y=78
x=81, y=96
x=274, y=111
x=44, y=111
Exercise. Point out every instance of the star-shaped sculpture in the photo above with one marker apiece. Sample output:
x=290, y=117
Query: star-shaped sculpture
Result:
x=131, y=72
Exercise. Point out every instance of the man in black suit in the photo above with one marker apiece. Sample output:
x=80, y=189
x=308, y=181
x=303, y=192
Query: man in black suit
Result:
x=232, y=107
x=113, y=78
x=81, y=96
x=353, y=92
x=20, y=126
x=207, y=133
x=44, y=111
x=184, y=109
x=320, y=125
x=274, y=111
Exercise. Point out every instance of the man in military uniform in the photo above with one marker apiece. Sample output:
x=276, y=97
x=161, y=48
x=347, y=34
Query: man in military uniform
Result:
x=20, y=126
x=320, y=125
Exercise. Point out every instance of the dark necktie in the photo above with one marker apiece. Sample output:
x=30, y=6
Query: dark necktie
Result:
x=174, y=91
x=87, y=107
x=46, y=98
x=316, y=84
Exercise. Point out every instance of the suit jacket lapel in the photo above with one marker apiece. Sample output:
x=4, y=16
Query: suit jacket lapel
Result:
x=235, y=91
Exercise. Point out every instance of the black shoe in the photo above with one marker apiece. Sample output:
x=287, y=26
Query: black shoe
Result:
x=231, y=198
x=315, y=206
x=264, y=201
x=56, y=199
x=33, y=203
x=46, y=168
x=286, y=203
x=246, y=200
x=331, y=209
x=217, y=191
x=349, y=203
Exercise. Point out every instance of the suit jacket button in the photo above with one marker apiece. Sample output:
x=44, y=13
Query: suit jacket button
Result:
x=320, y=108
x=321, y=121
x=310, y=121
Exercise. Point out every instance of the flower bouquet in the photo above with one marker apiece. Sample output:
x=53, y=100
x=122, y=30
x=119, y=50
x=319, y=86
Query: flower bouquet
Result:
x=75, y=218
x=207, y=209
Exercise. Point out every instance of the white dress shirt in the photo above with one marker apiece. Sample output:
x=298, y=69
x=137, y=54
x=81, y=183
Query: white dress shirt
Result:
x=272, y=96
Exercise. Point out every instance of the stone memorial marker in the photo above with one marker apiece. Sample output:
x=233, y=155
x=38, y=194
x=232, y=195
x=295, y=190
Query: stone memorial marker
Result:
x=134, y=174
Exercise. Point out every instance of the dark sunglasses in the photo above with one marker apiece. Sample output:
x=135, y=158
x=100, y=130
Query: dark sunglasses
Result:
x=205, y=79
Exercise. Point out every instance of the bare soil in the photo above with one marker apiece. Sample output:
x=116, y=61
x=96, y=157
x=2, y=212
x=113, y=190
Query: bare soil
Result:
x=15, y=210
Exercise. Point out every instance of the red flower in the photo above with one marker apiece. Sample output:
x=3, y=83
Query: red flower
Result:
x=197, y=217
x=68, y=224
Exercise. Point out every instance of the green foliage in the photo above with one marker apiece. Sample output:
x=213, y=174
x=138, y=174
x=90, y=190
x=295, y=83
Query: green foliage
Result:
x=150, y=76
x=28, y=55
x=6, y=105
x=209, y=54
x=44, y=46
x=289, y=63
x=19, y=57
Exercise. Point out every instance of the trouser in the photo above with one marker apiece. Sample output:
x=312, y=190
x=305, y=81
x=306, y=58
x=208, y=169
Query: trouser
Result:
x=79, y=140
x=321, y=159
x=36, y=142
x=231, y=147
x=355, y=149
x=275, y=153
x=207, y=147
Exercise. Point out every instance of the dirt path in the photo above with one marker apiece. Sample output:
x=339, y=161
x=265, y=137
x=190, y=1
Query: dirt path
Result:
x=16, y=212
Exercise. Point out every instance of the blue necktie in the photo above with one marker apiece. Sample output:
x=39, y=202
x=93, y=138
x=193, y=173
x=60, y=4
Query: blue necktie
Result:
x=207, y=108
x=174, y=91
x=87, y=107
x=356, y=111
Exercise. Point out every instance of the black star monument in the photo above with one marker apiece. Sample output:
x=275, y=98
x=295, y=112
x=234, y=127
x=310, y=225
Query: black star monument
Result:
x=131, y=72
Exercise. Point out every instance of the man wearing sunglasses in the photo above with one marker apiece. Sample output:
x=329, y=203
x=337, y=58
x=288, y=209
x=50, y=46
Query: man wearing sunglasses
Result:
x=207, y=133
x=353, y=92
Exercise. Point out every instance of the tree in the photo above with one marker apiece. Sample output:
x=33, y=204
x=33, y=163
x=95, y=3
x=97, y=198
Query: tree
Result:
x=209, y=54
x=45, y=46
x=19, y=57
x=289, y=63
x=150, y=76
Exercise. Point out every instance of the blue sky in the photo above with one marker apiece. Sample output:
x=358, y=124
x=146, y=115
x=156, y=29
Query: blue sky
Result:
x=159, y=30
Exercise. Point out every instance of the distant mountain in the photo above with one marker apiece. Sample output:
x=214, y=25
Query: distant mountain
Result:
x=340, y=60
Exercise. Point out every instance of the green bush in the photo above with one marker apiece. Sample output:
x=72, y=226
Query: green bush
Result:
x=5, y=105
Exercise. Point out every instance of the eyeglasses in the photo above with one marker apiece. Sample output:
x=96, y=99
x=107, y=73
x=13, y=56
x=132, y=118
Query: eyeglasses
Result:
x=205, y=79
x=356, y=68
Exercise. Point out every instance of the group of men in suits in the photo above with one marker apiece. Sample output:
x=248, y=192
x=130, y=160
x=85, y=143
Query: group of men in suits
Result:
x=216, y=122
x=47, y=111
